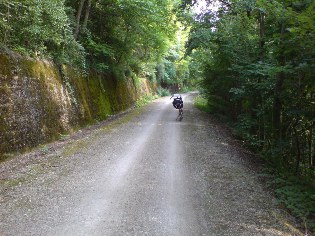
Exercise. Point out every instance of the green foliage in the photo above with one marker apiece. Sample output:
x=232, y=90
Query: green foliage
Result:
x=109, y=35
x=188, y=88
x=298, y=198
x=248, y=80
x=131, y=34
x=257, y=62
x=173, y=71
x=40, y=29
x=122, y=37
x=243, y=129
x=162, y=92
x=98, y=53
x=142, y=101
x=202, y=104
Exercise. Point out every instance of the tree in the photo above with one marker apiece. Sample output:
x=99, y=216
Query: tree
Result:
x=258, y=60
x=258, y=64
x=40, y=29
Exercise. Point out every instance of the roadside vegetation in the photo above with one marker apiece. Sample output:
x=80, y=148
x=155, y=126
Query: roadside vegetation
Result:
x=145, y=100
x=125, y=38
x=257, y=63
x=293, y=192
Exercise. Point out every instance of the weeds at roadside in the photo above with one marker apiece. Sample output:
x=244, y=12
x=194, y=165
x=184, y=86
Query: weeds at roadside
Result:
x=145, y=100
x=162, y=92
x=298, y=197
x=202, y=104
x=64, y=137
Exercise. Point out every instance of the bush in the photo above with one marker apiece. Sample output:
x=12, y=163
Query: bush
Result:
x=144, y=100
x=298, y=197
x=202, y=103
x=162, y=92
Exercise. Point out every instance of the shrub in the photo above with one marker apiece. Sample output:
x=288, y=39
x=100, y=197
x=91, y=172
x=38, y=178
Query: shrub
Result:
x=162, y=92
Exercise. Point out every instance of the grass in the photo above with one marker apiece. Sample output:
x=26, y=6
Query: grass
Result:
x=143, y=100
x=202, y=104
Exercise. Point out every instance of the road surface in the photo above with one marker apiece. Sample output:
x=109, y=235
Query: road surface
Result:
x=141, y=174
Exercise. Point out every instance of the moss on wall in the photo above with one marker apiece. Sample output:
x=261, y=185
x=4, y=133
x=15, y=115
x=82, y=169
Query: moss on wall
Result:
x=39, y=101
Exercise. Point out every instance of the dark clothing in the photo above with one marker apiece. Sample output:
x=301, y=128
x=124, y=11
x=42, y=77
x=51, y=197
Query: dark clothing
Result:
x=178, y=103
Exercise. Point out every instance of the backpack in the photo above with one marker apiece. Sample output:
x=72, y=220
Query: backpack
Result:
x=178, y=103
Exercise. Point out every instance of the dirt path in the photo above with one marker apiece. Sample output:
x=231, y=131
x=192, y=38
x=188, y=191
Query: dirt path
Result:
x=142, y=174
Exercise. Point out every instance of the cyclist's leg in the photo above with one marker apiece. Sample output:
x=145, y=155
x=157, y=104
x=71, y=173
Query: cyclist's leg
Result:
x=178, y=114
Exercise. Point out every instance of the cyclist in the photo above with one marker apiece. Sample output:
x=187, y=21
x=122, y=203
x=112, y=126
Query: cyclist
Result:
x=178, y=104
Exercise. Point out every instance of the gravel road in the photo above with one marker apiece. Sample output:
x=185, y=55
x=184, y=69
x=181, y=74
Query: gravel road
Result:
x=143, y=173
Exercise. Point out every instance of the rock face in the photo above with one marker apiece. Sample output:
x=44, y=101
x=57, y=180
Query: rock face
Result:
x=39, y=101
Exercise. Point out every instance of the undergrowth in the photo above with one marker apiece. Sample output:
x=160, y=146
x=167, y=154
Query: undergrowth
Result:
x=143, y=100
x=296, y=195
x=202, y=104
x=162, y=92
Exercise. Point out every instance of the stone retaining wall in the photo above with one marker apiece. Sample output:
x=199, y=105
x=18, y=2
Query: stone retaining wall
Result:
x=39, y=101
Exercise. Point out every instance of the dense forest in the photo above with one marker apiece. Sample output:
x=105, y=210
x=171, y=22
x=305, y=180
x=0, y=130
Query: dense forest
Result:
x=124, y=37
x=255, y=60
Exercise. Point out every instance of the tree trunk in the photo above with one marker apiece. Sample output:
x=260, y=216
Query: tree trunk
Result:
x=277, y=103
x=261, y=21
x=310, y=147
x=86, y=17
x=6, y=32
x=298, y=147
x=277, y=107
x=79, y=13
